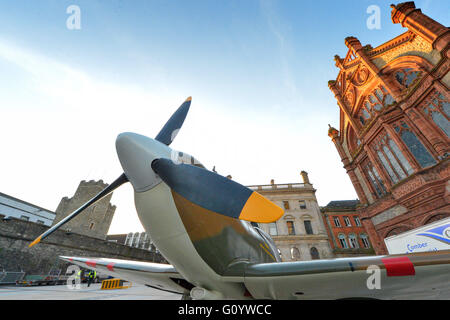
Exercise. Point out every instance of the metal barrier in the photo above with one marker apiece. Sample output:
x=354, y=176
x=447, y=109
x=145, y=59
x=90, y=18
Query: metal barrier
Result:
x=11, y=277
x=114, y=284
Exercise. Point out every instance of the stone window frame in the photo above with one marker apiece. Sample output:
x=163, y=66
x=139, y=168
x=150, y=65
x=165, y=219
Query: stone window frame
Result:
x=310, y=226
x=366, y=243
x=434, y=102
x=314, y=252
x=342, y=238
x=375, y=181
x=300, y=204
x=406, y=72
x=288, y=224
x=395, y=163
x=336, y=219
x=374, y=103
x=347, y=219
x=295, y=253
x=401, y=126
x=269, y=228
x=352, y=236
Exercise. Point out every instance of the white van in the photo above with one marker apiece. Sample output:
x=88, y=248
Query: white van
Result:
x=431, y=237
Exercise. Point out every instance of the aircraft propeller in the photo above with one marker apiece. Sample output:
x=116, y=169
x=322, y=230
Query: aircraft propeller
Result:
x=198, y=185
x=166, y=136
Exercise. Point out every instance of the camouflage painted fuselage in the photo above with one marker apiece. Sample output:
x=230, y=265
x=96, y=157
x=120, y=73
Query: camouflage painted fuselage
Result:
x=203, y=246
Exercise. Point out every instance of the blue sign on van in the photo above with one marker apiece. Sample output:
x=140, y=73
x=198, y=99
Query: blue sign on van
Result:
x=441, y=233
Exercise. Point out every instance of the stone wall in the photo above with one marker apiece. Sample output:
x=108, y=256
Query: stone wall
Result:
x=16, y=235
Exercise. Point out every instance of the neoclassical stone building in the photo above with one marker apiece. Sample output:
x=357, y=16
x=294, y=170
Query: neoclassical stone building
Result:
x=300, y=233
x=394, y=128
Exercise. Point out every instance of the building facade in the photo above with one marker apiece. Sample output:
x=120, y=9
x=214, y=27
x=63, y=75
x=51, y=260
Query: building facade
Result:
x=139, y=240
x=345, y=230
x=300, y=233
x=19, y=209
x=393, y=140
x=95, y=220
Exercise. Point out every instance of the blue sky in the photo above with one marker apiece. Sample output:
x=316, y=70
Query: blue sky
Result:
x=257, y=72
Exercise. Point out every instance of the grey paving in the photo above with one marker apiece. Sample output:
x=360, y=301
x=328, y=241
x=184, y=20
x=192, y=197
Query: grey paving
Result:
x=62, y=292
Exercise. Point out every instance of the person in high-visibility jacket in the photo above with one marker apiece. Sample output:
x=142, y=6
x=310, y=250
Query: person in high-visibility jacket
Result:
x=77, y=278
x=91, y=276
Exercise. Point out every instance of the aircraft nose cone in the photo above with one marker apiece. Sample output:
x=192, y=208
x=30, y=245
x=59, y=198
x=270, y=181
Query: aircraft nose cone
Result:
x=136, y=153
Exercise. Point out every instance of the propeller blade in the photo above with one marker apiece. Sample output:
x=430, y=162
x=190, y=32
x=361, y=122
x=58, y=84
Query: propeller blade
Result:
x=114, y=185
x=216, y=193
x=173, y=125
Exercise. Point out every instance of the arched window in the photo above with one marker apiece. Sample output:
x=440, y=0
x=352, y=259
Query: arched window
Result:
x=392, y=159
x=374, y=103
x=343, y=241
x=396, y=231
x=436, y=217
x=406, y=76
x=365, y=240
x=374, y=179
x=314, y=253
x=353, y=241
x=438, y=110
x=295, y=253
x=414, y=145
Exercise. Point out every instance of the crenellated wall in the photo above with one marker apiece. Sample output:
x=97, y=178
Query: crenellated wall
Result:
x=16, y=235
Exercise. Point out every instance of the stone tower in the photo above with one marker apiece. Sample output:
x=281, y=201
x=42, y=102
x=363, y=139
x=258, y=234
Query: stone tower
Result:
x=394, y=131
x=95, y=220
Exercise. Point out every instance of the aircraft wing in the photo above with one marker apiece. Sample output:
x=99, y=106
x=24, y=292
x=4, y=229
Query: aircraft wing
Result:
x=410, y=276
x=155, y=275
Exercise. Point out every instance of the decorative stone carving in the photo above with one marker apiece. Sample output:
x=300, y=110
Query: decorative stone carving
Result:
x=361, y=76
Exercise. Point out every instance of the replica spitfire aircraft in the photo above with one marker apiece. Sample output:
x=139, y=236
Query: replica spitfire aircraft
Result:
x=204, y=225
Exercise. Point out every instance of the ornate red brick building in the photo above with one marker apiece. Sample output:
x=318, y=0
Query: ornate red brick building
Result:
x=394, y=131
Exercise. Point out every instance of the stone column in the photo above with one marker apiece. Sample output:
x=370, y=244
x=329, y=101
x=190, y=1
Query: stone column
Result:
x=305, y=178
x=334, y=135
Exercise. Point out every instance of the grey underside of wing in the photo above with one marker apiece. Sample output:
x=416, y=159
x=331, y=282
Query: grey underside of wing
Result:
x=340, y=279
x=159, y=276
